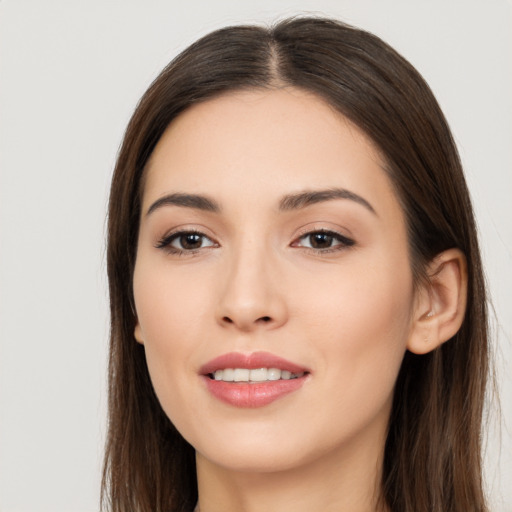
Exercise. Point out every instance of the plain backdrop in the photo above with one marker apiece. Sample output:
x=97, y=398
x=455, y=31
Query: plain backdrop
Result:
x=70, y=75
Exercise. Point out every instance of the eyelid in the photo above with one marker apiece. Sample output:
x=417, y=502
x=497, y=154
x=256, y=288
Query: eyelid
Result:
x=345, y=241
x=324, y=227
x=164, y=242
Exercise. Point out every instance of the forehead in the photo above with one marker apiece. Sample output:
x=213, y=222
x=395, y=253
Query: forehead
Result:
x=260, y=144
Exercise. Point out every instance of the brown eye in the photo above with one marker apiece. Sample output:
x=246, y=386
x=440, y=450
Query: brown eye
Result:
x=188, y=241
x=324, y=241
x=321, y=240
x=185, y=241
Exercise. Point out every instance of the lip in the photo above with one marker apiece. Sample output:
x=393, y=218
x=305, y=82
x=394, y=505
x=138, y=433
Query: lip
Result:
x=251, y=395
x=250, y=361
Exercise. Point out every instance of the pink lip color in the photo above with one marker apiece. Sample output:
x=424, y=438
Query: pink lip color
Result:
x=251, y=395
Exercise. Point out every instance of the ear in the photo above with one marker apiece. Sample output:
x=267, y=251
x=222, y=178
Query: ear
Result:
x=138, y=333
x=440, y=302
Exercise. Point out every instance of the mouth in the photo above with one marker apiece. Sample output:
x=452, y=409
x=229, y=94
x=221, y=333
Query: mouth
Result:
x=253, y=375
x=252, y=380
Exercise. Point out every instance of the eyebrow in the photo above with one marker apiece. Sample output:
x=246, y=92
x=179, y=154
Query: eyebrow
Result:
x=287, y=203
x=308, y=198
x=195, y=201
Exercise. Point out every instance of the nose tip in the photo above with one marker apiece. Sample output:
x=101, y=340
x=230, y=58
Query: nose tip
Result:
x=251, y=299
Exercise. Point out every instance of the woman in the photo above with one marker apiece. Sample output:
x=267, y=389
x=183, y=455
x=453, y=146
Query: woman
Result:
x=298, y=308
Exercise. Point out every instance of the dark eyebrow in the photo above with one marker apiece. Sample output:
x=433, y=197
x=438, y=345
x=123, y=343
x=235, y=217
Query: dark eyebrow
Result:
x=186, y=200
x=307, y=198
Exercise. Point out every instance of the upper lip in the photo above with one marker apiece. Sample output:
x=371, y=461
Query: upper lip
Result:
x=250, y=361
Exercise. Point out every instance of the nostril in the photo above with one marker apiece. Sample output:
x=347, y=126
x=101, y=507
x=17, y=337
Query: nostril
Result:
x=260, y=320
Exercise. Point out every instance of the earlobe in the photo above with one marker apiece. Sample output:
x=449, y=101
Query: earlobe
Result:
x=441, y=303
x=138, y=334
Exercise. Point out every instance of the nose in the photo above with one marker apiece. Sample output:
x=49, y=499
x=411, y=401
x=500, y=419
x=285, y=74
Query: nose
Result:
x=252, y=296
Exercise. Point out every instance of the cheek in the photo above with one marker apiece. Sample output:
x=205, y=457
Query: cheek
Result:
x=359, y=326
x=359, y=298
x=172, y=315
x=171, y=304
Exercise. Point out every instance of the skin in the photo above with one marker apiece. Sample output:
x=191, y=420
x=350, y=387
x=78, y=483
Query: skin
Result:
x=346, y=312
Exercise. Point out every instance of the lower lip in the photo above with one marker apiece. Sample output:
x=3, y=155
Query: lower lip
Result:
x=251, y=395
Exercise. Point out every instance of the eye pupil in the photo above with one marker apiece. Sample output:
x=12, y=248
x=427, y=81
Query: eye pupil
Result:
x=191, y=241
x=321, y=240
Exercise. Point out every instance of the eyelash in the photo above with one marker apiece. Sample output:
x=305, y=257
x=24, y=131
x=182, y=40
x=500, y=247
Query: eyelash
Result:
x=343, y=241
x=167, y=240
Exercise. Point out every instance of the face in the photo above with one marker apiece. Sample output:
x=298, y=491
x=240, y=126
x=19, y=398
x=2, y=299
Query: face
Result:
x=272, y=283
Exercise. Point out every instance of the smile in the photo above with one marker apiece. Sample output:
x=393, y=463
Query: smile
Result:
x=254, y=375
x=252, y=380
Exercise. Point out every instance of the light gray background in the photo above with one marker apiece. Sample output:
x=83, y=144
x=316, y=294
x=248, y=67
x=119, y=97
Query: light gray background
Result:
x=70, y=75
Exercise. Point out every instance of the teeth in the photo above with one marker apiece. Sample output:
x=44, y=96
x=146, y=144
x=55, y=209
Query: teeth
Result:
x=228, y=375
x=274, y=374
x=255, y=375
x=241, y=375
x=258, y=375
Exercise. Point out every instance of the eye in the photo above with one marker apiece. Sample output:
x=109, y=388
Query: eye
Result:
x=323, y=241
x=185, y=241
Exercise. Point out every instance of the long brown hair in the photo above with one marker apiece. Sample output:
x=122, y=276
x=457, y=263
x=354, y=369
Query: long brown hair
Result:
x=432, y=454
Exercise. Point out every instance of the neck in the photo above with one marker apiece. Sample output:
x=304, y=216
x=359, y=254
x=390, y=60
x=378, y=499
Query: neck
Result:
x=347, y=479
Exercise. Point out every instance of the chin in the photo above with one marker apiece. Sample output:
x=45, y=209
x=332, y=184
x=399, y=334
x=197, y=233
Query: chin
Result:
x=268, y=448
x=255, y=458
